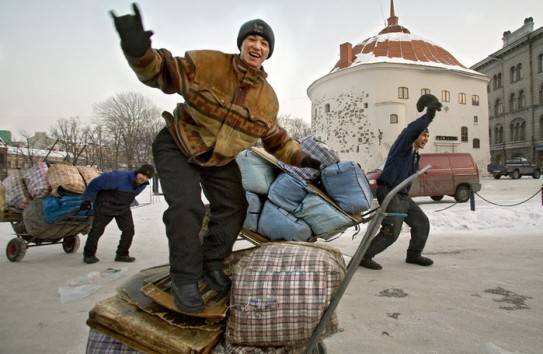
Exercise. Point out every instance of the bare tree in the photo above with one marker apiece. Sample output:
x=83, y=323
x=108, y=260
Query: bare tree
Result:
x=69, y=132
x=296, y=127
x=130, y=120
x=27, y=151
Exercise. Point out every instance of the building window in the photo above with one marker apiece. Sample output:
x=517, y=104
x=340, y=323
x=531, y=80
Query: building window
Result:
x=445, y=96
x=393, y=119
x=498, y=107
x=498, y=134
x=462, y=98
x=541, y=126
x=499, y=80
x=403, y=93
x=424, y=91
x=541, y=94
x=512, y=74
x=518, y=73
x=475, y=100
x=495, y=82
x=476, y=143
x=464, y=134
x=517, y=130
x=475, y=120
x=540, y=63
x=512, y=102
x=327, y=108
x=521, y=99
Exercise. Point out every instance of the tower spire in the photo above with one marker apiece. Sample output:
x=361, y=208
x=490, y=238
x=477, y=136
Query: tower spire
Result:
x=392, y=20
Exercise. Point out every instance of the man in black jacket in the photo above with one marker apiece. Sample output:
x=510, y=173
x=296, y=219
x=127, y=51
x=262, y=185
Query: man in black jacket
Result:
x=402, y=161
x=113, y=193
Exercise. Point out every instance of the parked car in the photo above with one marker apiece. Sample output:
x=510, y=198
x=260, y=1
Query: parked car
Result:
x=452, y=174
x=515, y=168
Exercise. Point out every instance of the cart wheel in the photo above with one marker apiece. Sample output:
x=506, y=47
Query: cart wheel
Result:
x=16, y=249
x=70, y=244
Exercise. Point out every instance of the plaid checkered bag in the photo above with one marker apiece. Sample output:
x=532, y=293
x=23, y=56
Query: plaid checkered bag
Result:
x=65, y=179
x=317, y=150
x=280, y=292
x=36, y=180
x=17, y=195
x=88, y=173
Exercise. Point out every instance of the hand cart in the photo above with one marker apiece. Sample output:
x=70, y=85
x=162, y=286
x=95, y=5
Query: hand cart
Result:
x=314, y=346
x=16, y=247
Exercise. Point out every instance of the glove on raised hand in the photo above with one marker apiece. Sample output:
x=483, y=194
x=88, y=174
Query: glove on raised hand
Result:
x=85, y=205
x=310, y=162
x=135, y=41
x=430, y=102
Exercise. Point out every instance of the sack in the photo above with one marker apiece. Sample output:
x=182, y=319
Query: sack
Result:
x=318, y=150
x=324, y=219
x=257, y=174
x=348, y=186
x=36, y=180
x=88, y=173
x=279, y=293
x=17, y=195
x=278, y=224
x=288, y=191
x=55, y=208
x=253, y=211
x=65, y=179
x=37, y=227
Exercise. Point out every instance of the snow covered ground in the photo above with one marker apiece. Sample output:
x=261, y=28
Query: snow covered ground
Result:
x=451, y=307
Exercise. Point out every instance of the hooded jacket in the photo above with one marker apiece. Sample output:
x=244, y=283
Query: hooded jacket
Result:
x=113, y=192
x=228, y=105
x=402, y=161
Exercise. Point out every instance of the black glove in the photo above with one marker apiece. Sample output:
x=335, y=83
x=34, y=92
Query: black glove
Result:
x=85, y=205
x=135, y=41
x=310, y=162
x=430, y=102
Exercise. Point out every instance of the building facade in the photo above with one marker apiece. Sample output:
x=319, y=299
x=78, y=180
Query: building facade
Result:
x=515, y=95
x=370, y=95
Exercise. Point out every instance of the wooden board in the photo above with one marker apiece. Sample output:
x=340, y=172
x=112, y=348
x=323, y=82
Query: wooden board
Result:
x=150, y=334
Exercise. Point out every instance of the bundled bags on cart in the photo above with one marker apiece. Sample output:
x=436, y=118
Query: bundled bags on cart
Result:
x=35, y=223
x=280, y=292
x=285, y=204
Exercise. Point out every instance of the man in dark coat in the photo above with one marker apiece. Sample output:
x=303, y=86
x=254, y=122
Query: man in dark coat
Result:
x=403, y=161
x=113, y=193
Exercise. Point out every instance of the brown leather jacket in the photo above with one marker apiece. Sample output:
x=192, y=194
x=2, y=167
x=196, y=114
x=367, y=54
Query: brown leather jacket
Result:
x=228, y=105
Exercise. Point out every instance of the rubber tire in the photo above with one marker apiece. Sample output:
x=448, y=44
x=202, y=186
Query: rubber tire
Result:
x=436, y=198
x=497, y=176
x=16, y=249
x=462, y=193
x=516, y=174
x=537, y=174
x=71, y=244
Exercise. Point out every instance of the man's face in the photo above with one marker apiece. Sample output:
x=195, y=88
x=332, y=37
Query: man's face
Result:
x=422, y=140
x=141, y=178
x=254, y=50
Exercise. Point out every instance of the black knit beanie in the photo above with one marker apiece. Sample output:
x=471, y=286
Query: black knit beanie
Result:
x=146, y=170
x=257, y=27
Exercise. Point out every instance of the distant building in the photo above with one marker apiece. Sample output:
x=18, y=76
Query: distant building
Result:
x=370, y=95
x=515, y=95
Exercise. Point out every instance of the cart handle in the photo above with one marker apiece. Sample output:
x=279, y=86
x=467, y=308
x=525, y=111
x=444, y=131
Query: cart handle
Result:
x=359, y=254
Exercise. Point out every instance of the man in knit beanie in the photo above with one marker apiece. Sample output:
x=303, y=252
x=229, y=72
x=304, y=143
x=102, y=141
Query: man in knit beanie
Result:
x=112, y=194
x=228, y=106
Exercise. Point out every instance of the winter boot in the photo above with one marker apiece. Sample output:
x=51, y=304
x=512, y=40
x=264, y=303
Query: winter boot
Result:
x=370, y=264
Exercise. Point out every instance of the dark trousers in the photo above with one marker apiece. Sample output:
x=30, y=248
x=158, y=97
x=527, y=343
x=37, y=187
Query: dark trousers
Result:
x=392, y=225
x=99, y=223
x=182, y=184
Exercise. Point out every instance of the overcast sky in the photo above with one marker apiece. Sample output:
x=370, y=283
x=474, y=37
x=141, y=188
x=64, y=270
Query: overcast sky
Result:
x=60, y=57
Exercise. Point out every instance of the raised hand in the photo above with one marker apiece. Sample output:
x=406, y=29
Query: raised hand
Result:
x=135, y=41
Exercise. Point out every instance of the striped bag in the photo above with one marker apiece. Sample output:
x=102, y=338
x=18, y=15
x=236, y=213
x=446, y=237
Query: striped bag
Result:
x=280, y=292
x=36, y=180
